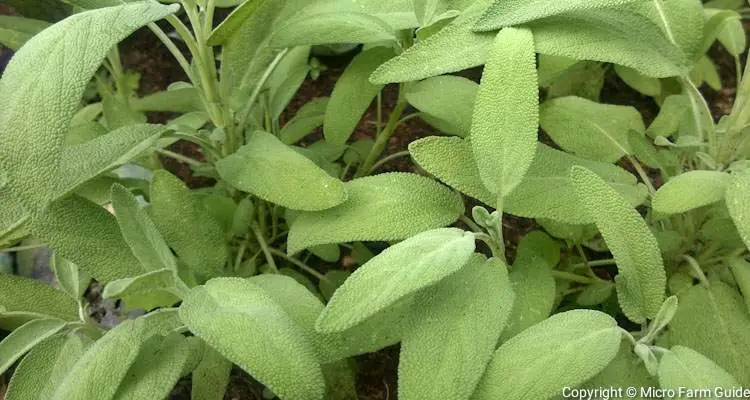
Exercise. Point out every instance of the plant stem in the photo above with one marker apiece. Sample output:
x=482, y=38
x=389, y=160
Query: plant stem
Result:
x=176, y=53
x=471, y=224
x=386, y=159
x=642, y=173
x=596, y=263
x=696, y=268
x=180, y=157
x=573, y=277
x=264, y=247
x=382, y=139
x=245, y=114
x=310, y=270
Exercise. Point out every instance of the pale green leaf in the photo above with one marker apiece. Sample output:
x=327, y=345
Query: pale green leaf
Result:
x=584, y=79
x=680, y=20
x=353, y=94
x=741, y=272
x=334, y=279
x=644, y=84
x=159, y=288
x=641, y=280
x=16, y=295
x=625, y=370
x=504, y=13
x=534, y=286
x=737, y=200
x=563, y=350
x=714, y=322
x=690, y=190
x=327, y=252
x=538, y=245
x=70, y=278
x=309, y=117
x=233, y=22
x=140, y=232
x=404, y=268
x=684, y=369
x=588, y=129
x=275, y=172
x=87, y=235
x=454, y=335
x=730, y=32
x=43, y=369
x=389, y=206
x=226, y=311
x=56, y=66
x=211, y=377
x=673, y=110
x=595, y=294
x=15, y=31
x=117, y=112
x=505, y=122
x=182, y=100
x=447, y=102
x=157, y=368
x=328, y=27
x=99, y=371
x=22, y=339
x=188, y=229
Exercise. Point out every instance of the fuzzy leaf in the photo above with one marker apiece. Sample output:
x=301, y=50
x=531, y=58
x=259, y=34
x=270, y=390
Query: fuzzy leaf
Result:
x=452, y=339
x=190, y=231
x=389, y=206
x=211, y=377
x=447, y=102
x=644, y=84
x=680, y=20
x=182, y=100
x=625, y=370
x=309, y=117
x=70, y=278
x=56, y=66
x=331, y=27
x=158, y=288
x=690, y=190
x=504, y=13
x=731, y=35
x=564, y=350
x=685, y=369
x=16, y=295
x=714, y=322
x=353, y=94
x=42, y=370
x=741, y=272
x=226, y=311
x=24, y=338
x=233, y=22
x=504, y=124
x=641, y=280
x=588, y=129
x=16, y=31
x=534, y=286
x=275, y=172
x=667, y=122
x=404, y=268
x=737, y=199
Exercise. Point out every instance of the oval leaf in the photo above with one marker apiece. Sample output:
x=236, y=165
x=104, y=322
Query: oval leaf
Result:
x=690, y=190
x=684, y=369
x=331, y=27
x=504, y=13
x=447, y=102
x=16, y=295
x=737, y=199
x=22, y=339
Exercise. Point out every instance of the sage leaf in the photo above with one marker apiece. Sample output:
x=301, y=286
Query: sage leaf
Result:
x=233, y=22
x=188, y=229
x=211, y=377
x=447, y=102
x=690, y=190
x=39, y=373
x=353, y=94
x=504, y=13
x=140, y=232
x=57, y=65
x=182, y=100
x=672, y=112
x=538, y=362
x=681, y=21
x=15, y=296
x=737, y=199
x=625, y=370
x=731, y=35
x=741, y=272
x=388, y=206
x=159, y=288
x=588, y=129
x=70, y=278
x=684, y=369
x=644, y=84
x=275, y=172
x=225, y=311
x=22, y=339
x=455, y=334
x=641, y=280
x=504, y=142
x=16, y=31
x=402, y=269
x=309, y=117
x=310, y=28
x=713, y=321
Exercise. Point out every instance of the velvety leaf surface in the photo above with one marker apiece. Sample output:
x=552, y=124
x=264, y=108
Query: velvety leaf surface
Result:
x=684, y=368
x=24, y=338
x=690, y=190
x=503, y=13
x=16, y=31
x=737, y=200
x=447, y=100
x=15, y=295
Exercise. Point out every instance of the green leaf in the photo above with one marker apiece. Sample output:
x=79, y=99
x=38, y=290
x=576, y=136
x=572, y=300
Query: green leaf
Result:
x=737, y=199
x=182, y=220
x=504, y=142
x=595, y=294
x=328, y=27
x=584, y=79
x=140, y=232
x=644, y=84
x=21, y=340
x=159, y=288
x=87, y=235
x=538, y=362
x=273, y=171
x=211, y=377
x=690, y=190
x=588, y=129
x=182, y=100
x=741, y=272
x=353, y=94
x=454, y=335
x=447, y=102
x=308, y=118
x=327, y=252
x=641, y=280
x=233, y=22
x=451, y=160
x=534, y=286
x=402, y=269
x=118, y=114
x=389, y=206
x=39, y=374
x=70, y=278
x=681, y=21
x=505, y=13
x=157, y=368
x=667, y=122
x=334, y=279
x=99, y=371
x=16, y=31
x=714, y=322
x=15, y=295
x=731, y=34
x=684, y=369
x=625, y=370
x=56, y=66
x=226, y=311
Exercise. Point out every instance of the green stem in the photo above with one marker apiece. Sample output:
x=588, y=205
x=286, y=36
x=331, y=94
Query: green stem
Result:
x=382, y=139
x=696, y=268
x=310, y=270
x=487, y=239
x=245, y=114
x=176, y=53
x=573, y=277
x=642, y=173
x=471, y=224
x=180, y=157
x=596, y=263
x=386, y=159
x=264, y=247
x=240, y=254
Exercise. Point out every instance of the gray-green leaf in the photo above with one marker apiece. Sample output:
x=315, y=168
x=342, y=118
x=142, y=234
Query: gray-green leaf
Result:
x=16, y=31
x=447, y=102
x=737, y=199
x=690, y=190
x=22, y=339
x=684, y=369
